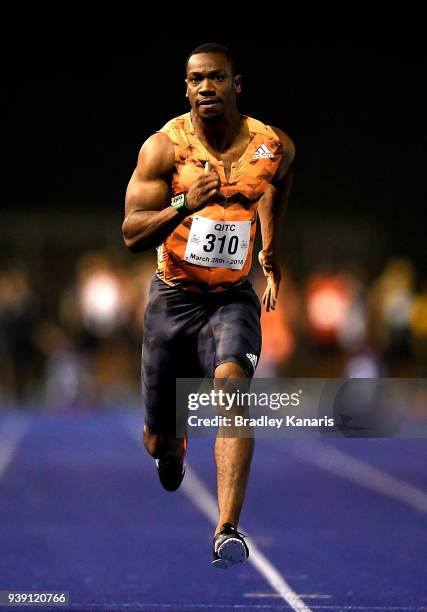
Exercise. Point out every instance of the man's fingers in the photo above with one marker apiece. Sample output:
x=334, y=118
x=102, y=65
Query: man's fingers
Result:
x=273, y=298
x=274, y=290
x=210, y=175
x=266, y=298
x=207, y=191
x=209, y=186
x=207, y=178
x=269, y=298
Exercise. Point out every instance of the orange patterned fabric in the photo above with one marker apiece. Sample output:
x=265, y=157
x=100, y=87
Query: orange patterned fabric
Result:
x=249, y=178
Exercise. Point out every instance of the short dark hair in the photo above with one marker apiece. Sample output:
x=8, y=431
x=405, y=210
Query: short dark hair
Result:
x=214, y=48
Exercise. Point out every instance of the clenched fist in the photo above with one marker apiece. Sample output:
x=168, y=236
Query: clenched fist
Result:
x=203, y=190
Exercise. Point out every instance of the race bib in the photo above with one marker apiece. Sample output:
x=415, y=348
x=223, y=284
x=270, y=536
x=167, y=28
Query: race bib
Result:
x=218, y=244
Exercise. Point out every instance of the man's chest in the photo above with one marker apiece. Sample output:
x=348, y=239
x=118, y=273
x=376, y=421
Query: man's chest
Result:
x=230, y=158
x=245, y=170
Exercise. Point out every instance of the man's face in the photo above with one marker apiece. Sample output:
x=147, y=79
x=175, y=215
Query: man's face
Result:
x=211, y=86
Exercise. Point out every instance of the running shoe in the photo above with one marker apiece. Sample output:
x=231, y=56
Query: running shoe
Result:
x=229, y=547
x=171, y=470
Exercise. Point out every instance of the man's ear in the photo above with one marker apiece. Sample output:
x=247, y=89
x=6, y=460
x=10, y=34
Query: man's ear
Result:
x=238, y=83
x=186, y=85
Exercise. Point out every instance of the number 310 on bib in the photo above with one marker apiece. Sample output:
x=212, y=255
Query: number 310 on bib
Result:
x=218, y=244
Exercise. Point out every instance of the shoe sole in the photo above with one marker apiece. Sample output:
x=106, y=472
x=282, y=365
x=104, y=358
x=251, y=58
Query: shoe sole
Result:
x=170, y=490
x=231, y=552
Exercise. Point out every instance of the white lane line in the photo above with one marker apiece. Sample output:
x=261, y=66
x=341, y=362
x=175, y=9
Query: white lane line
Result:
x=276, y=595
x=348, y=467
x=12, y=430
x=205, y=501
x=201, y=497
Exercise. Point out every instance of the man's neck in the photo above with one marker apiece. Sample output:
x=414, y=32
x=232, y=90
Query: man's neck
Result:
x=218, y=134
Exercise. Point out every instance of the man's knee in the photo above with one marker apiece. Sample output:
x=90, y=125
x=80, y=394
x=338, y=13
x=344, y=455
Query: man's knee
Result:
x=230, y=376
x=161, y=445
x=228, y=370
x=231, y=379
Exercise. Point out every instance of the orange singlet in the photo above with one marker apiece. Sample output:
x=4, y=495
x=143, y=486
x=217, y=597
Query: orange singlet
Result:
x=211, y=250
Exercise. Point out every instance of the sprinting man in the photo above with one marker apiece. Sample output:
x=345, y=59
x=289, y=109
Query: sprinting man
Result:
x=198, y=188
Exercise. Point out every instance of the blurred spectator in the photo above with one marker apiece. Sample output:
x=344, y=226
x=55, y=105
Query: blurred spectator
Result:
x=418, y=324
x=97, y=303
x=363, y=364
x=390, y=304
x=352, y=332
x=103, y=311
x=68, y=373
x=278, y=326
x=140, y=275
x=19, y=313
x=328, y=299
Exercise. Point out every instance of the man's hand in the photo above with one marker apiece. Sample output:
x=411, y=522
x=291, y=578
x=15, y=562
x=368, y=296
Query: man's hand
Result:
x=272, y=272
x=203, y=190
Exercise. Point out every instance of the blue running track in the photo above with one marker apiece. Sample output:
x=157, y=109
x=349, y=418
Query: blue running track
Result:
x=335, y=524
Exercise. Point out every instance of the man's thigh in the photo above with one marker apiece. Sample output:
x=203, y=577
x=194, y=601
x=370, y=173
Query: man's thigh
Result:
x=161, y=366
x=167, y=354
x=233, y=333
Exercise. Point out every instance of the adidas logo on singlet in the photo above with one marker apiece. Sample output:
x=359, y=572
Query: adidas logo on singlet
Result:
x=262, y=153
x=253, y=359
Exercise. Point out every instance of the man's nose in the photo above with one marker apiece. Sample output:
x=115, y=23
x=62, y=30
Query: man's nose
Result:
x=207, y=87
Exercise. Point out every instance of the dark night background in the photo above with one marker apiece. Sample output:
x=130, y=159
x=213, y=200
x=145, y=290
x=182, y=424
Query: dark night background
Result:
x=75, y=116
x=356, y=111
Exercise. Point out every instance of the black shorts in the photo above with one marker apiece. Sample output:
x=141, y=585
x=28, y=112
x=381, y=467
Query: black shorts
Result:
x=187, y=335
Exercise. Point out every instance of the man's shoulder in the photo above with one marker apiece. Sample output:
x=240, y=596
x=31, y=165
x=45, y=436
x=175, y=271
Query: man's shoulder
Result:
x=274, y=133
x=287, y=142
x=179, y=123
x=258, y=127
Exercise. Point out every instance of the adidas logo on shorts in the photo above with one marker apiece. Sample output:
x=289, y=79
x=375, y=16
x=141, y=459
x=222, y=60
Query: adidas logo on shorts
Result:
x=262, y=153
x=253, y=359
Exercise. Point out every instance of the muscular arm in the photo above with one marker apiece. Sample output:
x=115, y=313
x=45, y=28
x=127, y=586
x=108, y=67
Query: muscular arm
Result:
x=148, y=217
x=271, y=210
